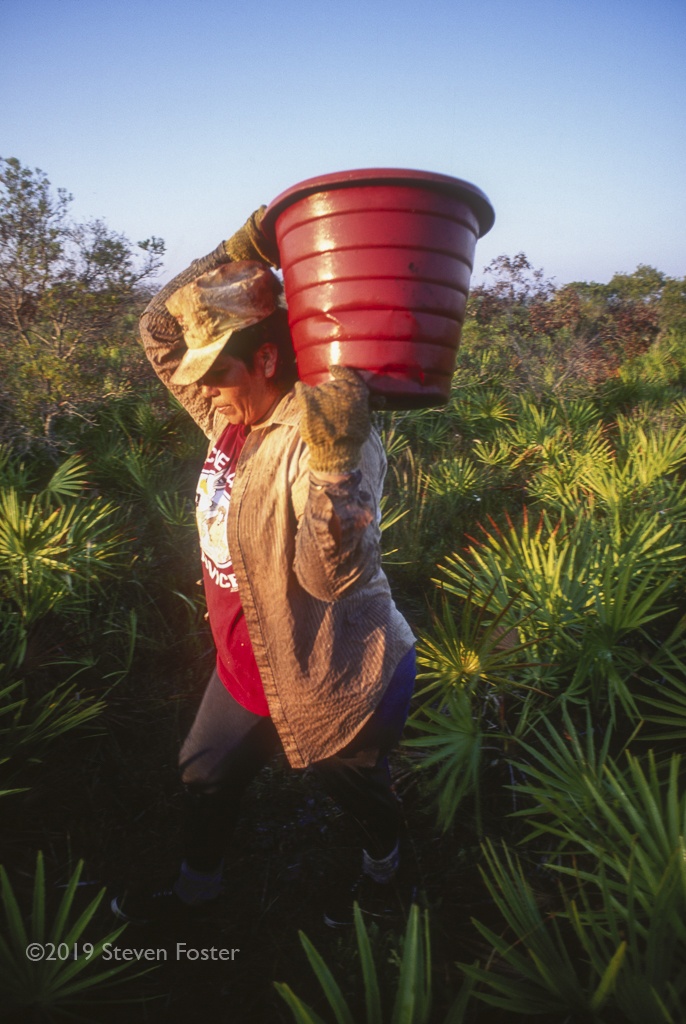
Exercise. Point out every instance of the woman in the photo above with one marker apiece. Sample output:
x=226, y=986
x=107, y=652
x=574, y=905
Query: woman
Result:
x=312, y=655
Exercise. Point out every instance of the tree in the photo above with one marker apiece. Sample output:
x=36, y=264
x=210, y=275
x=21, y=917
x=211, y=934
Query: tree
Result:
x=623, y=317
x=69, y=296
x=575, y=333
x=673, y=304
x=514, y=286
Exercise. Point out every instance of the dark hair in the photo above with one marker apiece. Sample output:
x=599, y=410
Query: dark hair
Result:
x=274, y=330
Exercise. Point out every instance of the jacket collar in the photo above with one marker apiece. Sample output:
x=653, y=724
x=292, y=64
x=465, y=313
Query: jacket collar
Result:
x=287, y=411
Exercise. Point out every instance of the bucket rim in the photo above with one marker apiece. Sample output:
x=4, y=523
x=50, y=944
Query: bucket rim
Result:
x=465, y=190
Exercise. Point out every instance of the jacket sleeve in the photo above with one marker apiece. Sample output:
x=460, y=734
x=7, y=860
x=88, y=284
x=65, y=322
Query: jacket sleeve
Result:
x=338, y=541
x=163, y=341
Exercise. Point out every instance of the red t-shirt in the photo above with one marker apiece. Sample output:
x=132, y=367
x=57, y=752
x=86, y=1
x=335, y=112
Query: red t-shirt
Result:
x=236, y=664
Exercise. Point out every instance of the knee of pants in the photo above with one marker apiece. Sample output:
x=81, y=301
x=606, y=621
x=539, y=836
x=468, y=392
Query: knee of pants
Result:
x=199, y=775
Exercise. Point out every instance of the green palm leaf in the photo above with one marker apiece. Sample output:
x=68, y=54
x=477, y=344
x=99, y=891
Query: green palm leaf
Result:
x=50, y=985
x=412, y=1002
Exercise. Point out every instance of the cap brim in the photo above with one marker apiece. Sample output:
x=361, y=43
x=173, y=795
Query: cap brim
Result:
x=197, y=361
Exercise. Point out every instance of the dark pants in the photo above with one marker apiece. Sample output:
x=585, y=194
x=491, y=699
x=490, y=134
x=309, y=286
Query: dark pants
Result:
x=228, y=745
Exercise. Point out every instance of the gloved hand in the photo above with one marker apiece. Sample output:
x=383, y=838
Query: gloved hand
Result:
x=335, y=420
x=250, y=243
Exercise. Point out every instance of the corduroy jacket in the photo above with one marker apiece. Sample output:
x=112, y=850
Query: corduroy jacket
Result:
x=325, y=631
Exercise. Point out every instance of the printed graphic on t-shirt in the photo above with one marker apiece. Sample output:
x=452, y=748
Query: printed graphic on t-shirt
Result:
x=212, y=510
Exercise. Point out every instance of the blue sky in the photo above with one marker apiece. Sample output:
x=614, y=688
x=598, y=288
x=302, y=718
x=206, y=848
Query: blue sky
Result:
x=178, y=119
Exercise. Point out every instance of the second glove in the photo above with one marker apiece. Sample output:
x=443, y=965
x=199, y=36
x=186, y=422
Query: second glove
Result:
x=335, y=420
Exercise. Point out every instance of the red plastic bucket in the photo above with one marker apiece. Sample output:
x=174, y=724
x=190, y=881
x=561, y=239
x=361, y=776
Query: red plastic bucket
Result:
x=376, y=268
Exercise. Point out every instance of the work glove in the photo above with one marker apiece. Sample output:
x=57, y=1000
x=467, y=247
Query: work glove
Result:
x=335, y=420
x=250, y=243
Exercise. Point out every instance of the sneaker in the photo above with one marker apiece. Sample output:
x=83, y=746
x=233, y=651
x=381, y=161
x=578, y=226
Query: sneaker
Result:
x=338, y=904
x=384, y=869
x=372, y=888
x=385, y=888
x=155, y=905
x=375, y=899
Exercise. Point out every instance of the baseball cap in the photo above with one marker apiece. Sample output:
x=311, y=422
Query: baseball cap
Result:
x=217, y=304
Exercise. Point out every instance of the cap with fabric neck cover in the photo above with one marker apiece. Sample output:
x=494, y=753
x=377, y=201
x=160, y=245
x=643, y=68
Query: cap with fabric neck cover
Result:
x=217, y=305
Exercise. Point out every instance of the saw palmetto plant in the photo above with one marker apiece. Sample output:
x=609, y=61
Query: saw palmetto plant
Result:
x=53, y=546
x=537, y=430
x=408, y=495
x=582, y=956
x=582, y=587
x=480, y=410
x=535, y=535
x=409, y=1003
x=611, y=944
x=50, y=967
x=569, y=577
x=664, y=701
x=471, y=693
x=535, y=968
x=57, y=545
x=30, y=726
x=561, y=483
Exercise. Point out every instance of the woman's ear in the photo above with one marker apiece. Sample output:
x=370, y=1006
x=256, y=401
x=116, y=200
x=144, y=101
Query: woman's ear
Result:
x=267, y=359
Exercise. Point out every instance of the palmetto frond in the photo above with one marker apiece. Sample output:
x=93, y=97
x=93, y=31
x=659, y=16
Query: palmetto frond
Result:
x=176, y=509
x=452, y=739
x=631, y=820
x=558, y=769
x=664, y=703
x=29, y=728
x=13, y=472
x=543, y=566
x=454, y=478
x=410, y=1002
x=45, y=551
x=49, y=985
x=587, y=960
x=581, y=420
x=482, y=409
x=68, y=480
x=466, y=648
x=537, y=431
x=561, y=483
x=542, y=973
x=496, y=453
x=468, y=662
x=410, y=484
x=650, y=453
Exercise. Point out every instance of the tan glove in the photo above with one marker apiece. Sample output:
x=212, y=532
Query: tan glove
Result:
x=250, y=243
x=335, y=420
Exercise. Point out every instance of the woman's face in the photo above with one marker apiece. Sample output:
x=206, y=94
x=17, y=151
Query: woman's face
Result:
x=244, y=396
